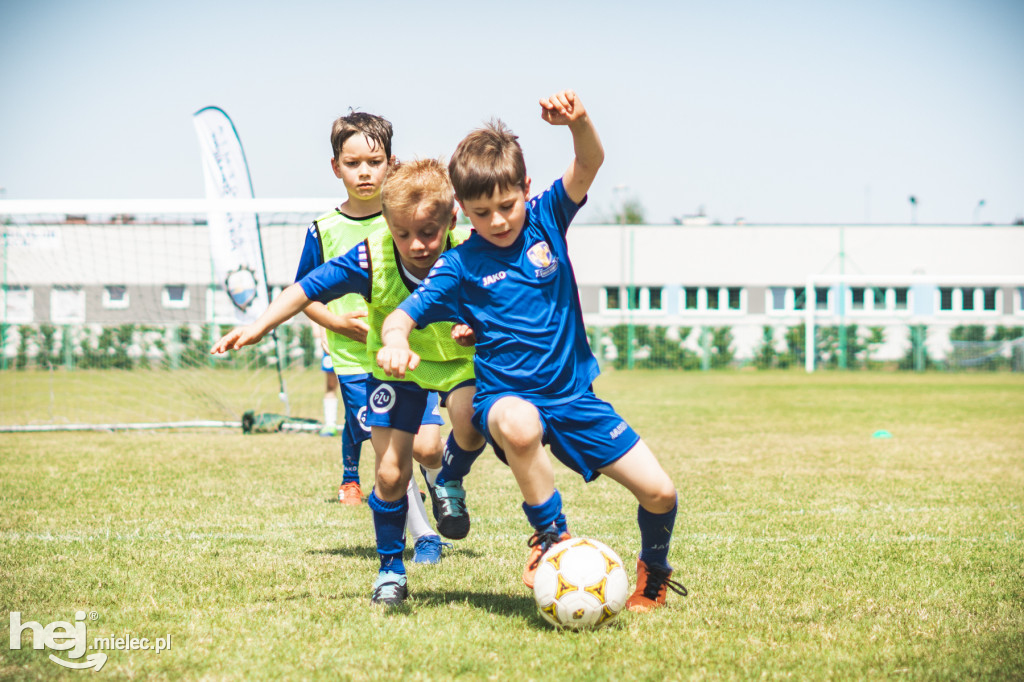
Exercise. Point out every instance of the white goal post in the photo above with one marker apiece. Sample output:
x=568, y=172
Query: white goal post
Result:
x=116, y=300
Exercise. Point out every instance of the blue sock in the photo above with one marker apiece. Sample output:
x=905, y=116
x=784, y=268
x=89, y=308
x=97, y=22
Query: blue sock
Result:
x=456, y=462
x=655, y=535
x=547, y=515
x=349, y=459
x=389, y=523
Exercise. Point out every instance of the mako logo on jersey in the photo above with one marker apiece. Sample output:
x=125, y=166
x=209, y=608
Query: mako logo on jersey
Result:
x=382, y=399
x=488, y=280
x=543, y=259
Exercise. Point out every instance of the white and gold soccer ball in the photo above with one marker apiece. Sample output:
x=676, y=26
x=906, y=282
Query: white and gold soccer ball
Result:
x=580, y=583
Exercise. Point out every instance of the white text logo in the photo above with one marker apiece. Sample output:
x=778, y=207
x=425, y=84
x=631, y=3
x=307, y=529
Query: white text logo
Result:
x=496, y=277
x=62, y=636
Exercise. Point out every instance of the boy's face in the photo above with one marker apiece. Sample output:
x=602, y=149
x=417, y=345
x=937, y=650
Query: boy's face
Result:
x=499, y=218
x=420, y=236
x=362, y=166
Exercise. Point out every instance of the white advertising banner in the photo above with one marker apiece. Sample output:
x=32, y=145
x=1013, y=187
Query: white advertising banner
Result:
x=234, y=236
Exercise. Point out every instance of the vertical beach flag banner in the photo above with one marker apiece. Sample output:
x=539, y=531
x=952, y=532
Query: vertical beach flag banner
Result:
x=235, y=245
x=234, y=236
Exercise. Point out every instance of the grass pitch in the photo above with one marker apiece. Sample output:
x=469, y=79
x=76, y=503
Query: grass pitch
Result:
x=811, y=549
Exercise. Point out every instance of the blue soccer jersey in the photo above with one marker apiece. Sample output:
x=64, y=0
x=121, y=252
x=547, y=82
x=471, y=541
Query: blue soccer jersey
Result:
x=522, y=303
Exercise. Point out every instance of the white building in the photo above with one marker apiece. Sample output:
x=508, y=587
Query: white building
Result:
x=70, y=271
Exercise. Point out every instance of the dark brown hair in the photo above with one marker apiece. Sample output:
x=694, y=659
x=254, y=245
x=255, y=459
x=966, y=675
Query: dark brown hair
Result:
x=375, y=128
x=488, y=158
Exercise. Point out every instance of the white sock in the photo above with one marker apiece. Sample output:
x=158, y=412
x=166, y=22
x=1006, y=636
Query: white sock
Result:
x=416, y=522
x=432, y=474
x=330, y=410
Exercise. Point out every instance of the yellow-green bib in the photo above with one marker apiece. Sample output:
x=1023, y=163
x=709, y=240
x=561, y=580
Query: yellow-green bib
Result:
x=443, y=363
x=338, y=235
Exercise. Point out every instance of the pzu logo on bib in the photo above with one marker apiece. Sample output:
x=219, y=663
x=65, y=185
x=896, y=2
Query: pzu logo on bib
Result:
x=382, y=399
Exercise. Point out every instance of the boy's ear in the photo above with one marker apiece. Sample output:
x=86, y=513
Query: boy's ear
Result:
x=335, y=167
x=455, y=217
x=526, y=188
x=393, y=161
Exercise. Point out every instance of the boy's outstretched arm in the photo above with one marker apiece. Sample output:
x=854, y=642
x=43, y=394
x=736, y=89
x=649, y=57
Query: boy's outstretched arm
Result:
x=396, y=357
x=566, y=108
x=291, y=301
x=346, y=324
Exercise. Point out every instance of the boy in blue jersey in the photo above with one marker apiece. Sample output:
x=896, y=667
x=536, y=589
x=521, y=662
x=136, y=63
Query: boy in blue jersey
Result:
x=513, y=284
x=419, y=205
x=361, y=157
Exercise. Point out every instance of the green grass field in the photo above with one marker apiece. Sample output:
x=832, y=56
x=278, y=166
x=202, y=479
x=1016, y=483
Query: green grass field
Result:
x=811, y=549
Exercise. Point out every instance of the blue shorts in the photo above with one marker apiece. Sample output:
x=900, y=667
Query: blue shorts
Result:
x=353, y=396
x=326, y=363
x=401, y=405
x=585, y=434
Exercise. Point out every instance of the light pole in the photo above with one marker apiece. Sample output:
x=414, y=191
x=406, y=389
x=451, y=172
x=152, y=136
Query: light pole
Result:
x=977, y=211
x=913, y=210
x=628, y=282
x=3, y=289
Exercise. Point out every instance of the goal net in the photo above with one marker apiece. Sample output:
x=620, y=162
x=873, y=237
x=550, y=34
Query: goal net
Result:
x=917, y=322
x=108, y=311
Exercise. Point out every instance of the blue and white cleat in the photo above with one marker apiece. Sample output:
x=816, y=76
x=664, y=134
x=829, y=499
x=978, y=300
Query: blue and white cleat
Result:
x=453, y=519
x=427, y=550
x=390, y=588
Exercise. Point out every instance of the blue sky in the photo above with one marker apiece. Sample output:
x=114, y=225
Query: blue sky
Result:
x=787, y=111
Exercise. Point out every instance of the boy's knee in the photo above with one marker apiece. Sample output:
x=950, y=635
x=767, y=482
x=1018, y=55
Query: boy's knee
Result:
x=661, y=498
x=517, y=423
x=428, y=457
x=467, y=437
x=389, y=483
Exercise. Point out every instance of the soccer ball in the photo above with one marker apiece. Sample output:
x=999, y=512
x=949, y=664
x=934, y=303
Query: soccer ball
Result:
x=580, y=583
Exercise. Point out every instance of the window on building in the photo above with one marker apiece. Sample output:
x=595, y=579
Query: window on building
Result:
x=654, y=298
x=175, y=296
x=634, y=297
x=712, y=294
x=945, y=298
x=821, y=298
x=967, y=298
x=115, y=296
x=901, y=297
x=857, y=298
x=988, y=299
x=734, y=297
x=611, y=298
x=778, y=298
x=690, y=298
x=18, y=305
x=799, y=298
x=878, y=298
x=67, y=305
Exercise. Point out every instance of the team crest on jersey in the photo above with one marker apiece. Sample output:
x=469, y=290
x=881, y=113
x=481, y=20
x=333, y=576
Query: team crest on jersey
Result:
x=382, y=399
x=241, y=286
x=541, y=256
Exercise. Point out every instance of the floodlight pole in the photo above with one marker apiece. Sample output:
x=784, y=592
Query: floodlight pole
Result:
x=3, y=289
x=842, y=299
x=622, y=275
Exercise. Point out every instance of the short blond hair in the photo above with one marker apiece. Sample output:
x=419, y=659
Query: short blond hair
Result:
x=421, y=181
x=488, y=158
